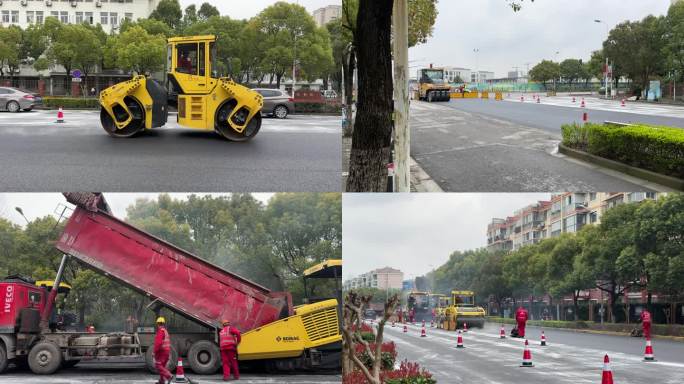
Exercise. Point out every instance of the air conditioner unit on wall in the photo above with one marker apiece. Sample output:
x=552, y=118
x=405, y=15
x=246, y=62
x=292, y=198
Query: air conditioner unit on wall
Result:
x=24, y=2
x=73, y=4
x=98, y=4
x=48, y=3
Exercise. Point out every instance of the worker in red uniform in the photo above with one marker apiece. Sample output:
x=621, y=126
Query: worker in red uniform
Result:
x=229, y=339
x=412, y=315
x=521, y=317
x=162, y=350
x=646, y=323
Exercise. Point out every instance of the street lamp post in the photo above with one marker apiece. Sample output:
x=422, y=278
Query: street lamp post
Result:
x=477, y=65
x=21, y=212
x=605, y=75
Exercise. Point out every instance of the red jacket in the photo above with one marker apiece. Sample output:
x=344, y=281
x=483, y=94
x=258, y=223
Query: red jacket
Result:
x=162, y=341
x=229, y=338
x=521, y=315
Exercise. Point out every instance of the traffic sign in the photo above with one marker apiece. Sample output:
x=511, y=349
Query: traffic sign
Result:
x=76, y=73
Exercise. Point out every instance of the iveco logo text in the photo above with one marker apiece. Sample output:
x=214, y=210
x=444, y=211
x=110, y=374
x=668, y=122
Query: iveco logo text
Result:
x=9, y=297
x=287, y=339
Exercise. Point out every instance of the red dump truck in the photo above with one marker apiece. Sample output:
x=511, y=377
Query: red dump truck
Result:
x=275, y=332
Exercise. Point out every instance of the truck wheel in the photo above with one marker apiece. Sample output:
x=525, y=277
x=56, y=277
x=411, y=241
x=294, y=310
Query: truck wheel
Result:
x=171, y=365
x=204, y=357
x=3, y=359
x=45, y=358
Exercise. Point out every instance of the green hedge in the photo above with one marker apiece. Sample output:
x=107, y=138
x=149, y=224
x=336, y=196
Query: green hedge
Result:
x=657, y=149
x=71, y=103
x=318, y=108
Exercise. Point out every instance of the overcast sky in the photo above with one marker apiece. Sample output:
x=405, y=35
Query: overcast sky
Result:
x=36, y=205
x=240, y=9
x=416, y=233
x=507, y=39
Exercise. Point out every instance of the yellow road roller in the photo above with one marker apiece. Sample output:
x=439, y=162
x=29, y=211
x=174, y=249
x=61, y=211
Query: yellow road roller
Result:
x=204, y=101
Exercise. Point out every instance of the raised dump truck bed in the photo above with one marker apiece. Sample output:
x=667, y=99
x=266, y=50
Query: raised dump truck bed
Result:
x=176, y=278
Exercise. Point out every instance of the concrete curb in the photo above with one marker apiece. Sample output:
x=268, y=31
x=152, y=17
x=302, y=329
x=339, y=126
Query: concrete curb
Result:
x=421, y=181
x=657, y=178
x=600, y=332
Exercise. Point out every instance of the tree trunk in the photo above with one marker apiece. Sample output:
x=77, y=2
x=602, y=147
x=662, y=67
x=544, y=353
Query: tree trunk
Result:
x=373, y=126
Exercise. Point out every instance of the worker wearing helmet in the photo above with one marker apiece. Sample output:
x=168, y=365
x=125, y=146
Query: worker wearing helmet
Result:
x=162, y=350
x=229, y=339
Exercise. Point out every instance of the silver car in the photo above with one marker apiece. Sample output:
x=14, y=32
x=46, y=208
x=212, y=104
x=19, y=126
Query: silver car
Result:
x=276, y=102
x=15, y=100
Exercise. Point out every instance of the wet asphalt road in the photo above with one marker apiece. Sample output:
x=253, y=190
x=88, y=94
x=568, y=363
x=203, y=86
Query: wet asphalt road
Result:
x=123, y=373
x=569, y=357
x=553, y=112
x=300, y=153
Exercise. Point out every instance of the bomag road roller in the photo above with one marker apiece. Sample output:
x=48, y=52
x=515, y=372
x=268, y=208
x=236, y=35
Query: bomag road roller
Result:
x=204, y=100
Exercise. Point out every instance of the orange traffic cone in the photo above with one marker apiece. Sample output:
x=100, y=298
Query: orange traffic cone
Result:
x=392, y=323
x=574, y=100
x=60, y=115
x=522, y=99
x=607, y=373
x=583, y=105
x=423, y=324
x=179, y=377
x=585, y=117
x=502, y=333
x=422, y=331
x=543, y=340
x=648, y=353
x=465, y=327
x=623, y=103
x=405, y=328
x=459, y=340
x=527, y=356
x=432, y=324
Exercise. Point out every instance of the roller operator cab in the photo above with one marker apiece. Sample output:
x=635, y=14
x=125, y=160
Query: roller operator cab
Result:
x=432, y=85
x=204, y=100
x=419, y=303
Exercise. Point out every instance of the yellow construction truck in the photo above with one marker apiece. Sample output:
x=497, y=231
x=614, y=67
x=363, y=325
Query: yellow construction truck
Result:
x=204, y=100
x=463, y=311
x=432, y=85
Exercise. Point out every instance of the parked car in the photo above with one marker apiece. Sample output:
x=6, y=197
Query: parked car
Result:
x=276, y=102
x=15, y=100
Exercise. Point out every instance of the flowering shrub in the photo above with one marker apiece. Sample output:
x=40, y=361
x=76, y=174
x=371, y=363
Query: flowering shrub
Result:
x=408, y=373
x=388, y=355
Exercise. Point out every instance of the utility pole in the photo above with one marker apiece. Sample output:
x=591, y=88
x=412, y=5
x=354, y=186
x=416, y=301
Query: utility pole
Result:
x=402, y=133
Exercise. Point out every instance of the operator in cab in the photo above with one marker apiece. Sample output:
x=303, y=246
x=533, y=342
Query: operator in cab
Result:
x=162, y=350
x=229, y=339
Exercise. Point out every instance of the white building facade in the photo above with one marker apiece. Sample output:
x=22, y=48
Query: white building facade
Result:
x=324, y=15
x=383, y=278
x=108, y=13
x=452, y=74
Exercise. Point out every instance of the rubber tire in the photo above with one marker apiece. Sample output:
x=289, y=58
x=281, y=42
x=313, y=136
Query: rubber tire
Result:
x=204, y=347
x=4, y=362
x=281, y=107
x=13, y=104
x=171, y=365
x=49, y=350
x=28, y=109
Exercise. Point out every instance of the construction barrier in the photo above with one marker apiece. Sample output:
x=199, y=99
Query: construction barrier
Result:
x=484, y=95
x=456, y=95
x=498, y=96
x=470, y=95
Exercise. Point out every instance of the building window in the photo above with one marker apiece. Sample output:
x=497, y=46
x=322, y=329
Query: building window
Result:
x=30, y=17
x=89, y=18
x=113, y=19
x=54, y=14
x=593, y=217
x=128, y=16
x=104, y=18
x=79, y=17
x=15, y=16
x=39, y=17
x=64, y=17
x=5, y=16
x=592, y=196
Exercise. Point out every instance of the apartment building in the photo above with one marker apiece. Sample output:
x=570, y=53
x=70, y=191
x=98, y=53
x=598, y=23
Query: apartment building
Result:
x=324, y=15
x=564, y=213
x=382, y=278
x=108, y=13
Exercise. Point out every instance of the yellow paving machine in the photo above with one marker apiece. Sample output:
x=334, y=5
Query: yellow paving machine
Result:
x=204, y=100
